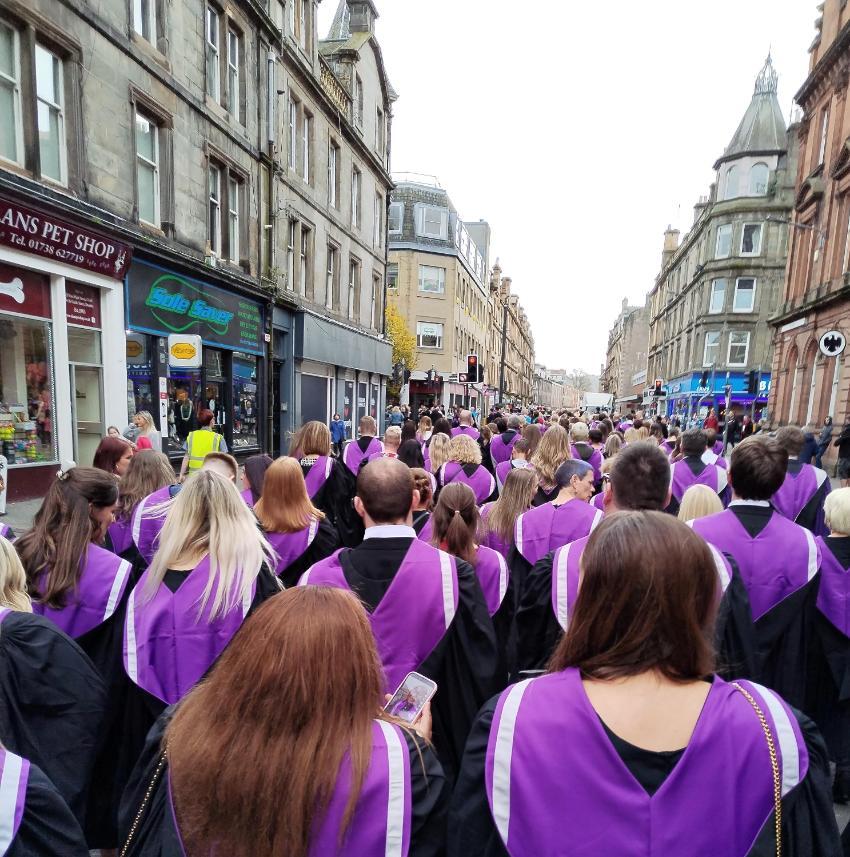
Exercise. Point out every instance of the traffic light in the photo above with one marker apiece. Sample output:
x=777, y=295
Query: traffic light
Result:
x=472, y=369
x=658, y=388
x=752, y=382
x=703, y=380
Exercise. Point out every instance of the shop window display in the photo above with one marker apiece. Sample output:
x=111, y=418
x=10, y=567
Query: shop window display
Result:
x=245, y=419
x=26, y=391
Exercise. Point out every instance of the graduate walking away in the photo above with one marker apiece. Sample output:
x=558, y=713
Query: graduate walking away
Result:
x=83, y=588
x=426, y=607
x=801, y=496
x=298, y=532
x=630, y=744
x=52, y=699
x=289, y=753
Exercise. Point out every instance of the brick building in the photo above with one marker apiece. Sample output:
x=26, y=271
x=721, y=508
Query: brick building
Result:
x=808, y=385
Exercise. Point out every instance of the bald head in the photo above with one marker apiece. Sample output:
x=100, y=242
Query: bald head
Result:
x=385, y=492
x=465, y=418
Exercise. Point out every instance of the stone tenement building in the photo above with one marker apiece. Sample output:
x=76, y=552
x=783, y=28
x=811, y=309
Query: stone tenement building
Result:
x=210, y=177
x=513, y=370
x=437, y=279
x=809, y=386
x=717, y=288
x=626, y=355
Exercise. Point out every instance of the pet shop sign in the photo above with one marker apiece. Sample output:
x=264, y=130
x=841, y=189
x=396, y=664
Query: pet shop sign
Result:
x=33, y=231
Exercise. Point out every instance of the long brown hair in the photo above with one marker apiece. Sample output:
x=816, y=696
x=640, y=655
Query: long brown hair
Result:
x=553, y=451
x=62, y=530
x=148, y=471
x=456, y=521
x=255, y=749
x=517, y=493
x=633, y=615
x=285, y=505
x=531, y=435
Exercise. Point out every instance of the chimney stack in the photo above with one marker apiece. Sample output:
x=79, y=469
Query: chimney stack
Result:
x=363, y=15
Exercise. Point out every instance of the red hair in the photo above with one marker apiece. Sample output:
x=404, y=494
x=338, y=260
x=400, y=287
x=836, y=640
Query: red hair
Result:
x=109, y=452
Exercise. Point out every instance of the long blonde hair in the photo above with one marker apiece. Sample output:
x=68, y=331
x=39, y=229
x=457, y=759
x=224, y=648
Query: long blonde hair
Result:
x=13, y=579
x=553, y=451
x=518, y=492
x=208, y=517
x=285, y=506
x=438, y=451
x=147, y=419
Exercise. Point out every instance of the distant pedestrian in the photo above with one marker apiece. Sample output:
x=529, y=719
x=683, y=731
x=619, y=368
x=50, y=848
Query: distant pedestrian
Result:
x=337, y=434
x=200, y=442
x=823, y=441
x=843, y=444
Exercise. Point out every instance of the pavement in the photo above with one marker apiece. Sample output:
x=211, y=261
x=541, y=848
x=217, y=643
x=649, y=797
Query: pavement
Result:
x=19, y=516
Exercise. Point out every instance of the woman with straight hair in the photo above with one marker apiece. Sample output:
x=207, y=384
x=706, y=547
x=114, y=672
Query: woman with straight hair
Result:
x=290, y=753
x=148, y=437
x=553, y=451
x=464, y=466
x=423, y=433
x=699, y=501
x=500, y=517
x=613, y=444
x=423, y=482
x=532, y=435
x=149, y=471
x=520, y=455
x=330, y=484
x=113, y=455
x=254, y=472
x=211, y=569
x=52, y=698
x=408, y=430
x=83, y=588
x=672, y=759
x=297, y=531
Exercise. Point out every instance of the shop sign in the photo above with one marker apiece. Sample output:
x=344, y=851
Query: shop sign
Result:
x=24, y=292
x=43, y=234
x=165, y=303
x=82, y=305
x=185, y=351
x=163, y=404
x=136, y=350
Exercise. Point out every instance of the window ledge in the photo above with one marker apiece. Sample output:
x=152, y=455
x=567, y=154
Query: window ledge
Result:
x=150, y=50
x=151, y=229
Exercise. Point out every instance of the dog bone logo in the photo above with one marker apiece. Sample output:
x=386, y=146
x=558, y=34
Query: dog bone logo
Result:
x=14, y=290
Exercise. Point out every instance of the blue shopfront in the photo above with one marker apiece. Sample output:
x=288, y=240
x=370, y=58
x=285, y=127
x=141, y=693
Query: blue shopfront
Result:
x=686, y=395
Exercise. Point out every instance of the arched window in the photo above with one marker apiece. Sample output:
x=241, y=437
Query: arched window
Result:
x=731, y=183
x=758, y=179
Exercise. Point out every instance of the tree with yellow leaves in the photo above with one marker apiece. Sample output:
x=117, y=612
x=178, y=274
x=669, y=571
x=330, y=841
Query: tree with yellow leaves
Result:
x=404, y=346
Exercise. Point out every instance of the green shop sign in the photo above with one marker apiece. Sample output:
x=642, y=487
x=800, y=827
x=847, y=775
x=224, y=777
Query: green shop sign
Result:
x=160, y=301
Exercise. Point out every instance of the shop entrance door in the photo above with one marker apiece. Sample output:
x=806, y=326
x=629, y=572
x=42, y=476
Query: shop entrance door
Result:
x=89, y=428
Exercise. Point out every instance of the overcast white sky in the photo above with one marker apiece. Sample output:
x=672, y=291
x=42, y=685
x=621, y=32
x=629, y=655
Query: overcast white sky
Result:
x=579, y=129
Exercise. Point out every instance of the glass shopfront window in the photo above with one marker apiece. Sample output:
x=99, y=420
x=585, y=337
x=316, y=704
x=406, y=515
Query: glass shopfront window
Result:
x=141, y=382
x=245, y=388
x=27, y=433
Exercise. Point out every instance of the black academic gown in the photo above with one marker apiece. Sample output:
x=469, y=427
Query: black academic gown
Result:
x=52, y=704
x=157, y=835
x=808, y=822
x=542, y=497
x=828, y=674
x=322, y=546
x=420, y=518
x=465, y=664
x=334, y=499
x=142, y=708
x=783, y=635
x=538, y=631
x=48, y=827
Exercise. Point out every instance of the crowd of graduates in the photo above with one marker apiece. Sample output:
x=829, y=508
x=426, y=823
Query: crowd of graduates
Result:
x=640, y=647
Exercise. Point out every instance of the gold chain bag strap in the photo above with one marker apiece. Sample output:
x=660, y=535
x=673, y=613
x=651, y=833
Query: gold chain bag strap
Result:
x=157, y=774
x=774, y=764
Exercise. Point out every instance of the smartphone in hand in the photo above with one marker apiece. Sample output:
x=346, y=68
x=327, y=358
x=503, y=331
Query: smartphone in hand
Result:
x=413, y=694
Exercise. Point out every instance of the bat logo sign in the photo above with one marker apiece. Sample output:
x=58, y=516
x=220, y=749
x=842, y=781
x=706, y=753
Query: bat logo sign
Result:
x=832, y=343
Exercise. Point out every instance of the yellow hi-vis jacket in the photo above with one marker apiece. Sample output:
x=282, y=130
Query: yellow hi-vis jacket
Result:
x=199, y=444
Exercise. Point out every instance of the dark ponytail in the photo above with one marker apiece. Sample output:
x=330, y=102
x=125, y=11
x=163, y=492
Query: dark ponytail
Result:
x=456, y=521
x=61, y=532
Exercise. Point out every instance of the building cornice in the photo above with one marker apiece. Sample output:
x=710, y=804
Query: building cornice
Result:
x=824, y=65
x=814, y=300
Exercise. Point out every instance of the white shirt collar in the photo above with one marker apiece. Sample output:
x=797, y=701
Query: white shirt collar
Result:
x=763, y=503
x=390, y=531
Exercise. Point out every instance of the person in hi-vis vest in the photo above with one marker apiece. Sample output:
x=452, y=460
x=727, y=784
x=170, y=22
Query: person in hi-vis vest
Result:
x=201, y=442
